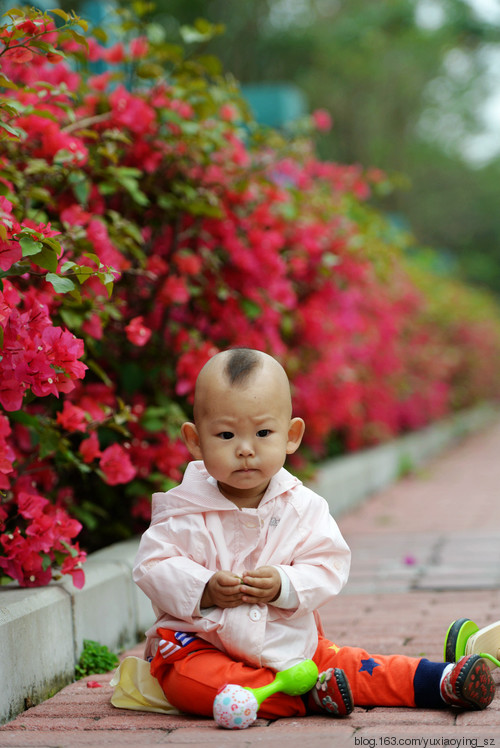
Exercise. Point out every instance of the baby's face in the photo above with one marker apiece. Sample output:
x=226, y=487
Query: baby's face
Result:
x=244, y=434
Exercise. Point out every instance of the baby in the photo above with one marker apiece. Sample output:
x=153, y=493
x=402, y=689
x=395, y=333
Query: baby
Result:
x=240, y=556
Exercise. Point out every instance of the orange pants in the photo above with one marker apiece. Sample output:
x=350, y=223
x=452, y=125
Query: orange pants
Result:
x=191, y=672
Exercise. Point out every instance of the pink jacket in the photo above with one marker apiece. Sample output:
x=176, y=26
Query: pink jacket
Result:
x=195, y=531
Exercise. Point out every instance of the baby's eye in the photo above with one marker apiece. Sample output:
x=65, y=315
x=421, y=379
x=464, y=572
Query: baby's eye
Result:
x=263, y=432
x=225, y=435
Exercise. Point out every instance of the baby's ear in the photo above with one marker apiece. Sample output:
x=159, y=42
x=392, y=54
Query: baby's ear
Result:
x=295, y=434
x=191, y=439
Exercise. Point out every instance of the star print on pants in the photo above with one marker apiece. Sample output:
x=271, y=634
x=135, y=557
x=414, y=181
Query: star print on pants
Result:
x=368, y=666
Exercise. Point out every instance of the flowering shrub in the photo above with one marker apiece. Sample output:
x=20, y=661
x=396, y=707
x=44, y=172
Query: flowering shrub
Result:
x=146, y=224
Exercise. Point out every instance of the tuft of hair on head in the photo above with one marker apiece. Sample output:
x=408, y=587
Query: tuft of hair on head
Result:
x=241, y=362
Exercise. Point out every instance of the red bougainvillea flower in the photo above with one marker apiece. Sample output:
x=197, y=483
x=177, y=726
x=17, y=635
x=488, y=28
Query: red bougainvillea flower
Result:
x=28, y=556
x=114, y=54
x=322, y=120
x=7, y=454
x=72, y=565
x=10, y=253
x=131, y=111
x=229, y=113
x=174, y=291
x=93, y=327
x=137, y=332
x=116, y=465
x=189, y=366
x=138, y=47
x=72, y=418
x=19, y=55
x=89, y=448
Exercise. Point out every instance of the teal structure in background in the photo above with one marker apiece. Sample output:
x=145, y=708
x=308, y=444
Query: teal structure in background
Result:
x=275, y=104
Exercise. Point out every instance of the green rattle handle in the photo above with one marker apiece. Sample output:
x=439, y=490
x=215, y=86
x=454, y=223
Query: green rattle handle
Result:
x=293, y=681
x=490, y=658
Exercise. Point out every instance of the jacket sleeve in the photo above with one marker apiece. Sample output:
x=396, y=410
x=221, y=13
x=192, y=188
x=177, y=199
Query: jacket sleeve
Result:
x=320, y=562
x=172, y=580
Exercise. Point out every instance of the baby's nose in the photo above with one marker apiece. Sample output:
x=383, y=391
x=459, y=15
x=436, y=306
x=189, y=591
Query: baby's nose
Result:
x=245, y=449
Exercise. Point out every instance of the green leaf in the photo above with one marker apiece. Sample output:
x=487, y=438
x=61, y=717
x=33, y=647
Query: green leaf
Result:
x=46, y=259
x=46, y=561
x=190, y=35
x=68, y=265
x=81, y=186
x=60, y=284
x=83, y=273
x=6, y=82
x=251, y=309
x=100, y=34
x=49, y=442
x=61, y=13
x=72, y=319
x=78, y=37
x=20, y=416
x=29, y=246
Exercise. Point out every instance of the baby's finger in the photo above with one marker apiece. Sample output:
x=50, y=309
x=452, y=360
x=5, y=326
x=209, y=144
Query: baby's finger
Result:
x=258, y=582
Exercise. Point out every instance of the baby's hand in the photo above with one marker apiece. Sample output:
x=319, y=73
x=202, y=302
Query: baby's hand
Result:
x=223, y=589
x=262, y=585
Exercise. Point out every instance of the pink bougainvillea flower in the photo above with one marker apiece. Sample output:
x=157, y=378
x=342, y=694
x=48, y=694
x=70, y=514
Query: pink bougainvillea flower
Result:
x=100, y=82
x=114, y=54
x=229, y=113
x=137, y=332
x=28, y=27
x=20, y=55
x=95, y=50
x=142, y=509
x=89, y=448
x=72, y=418
x=72, y=565
x=322, y=120
x=131, y=111
x=31, y=506
x=189, y=366
x=170, y=456
x=93, y=327
x=53, y=57
x=188, y=263
x=7, y=454
x=174, y=291
x=93, y=684
x=139, y=47
x=116, y=465
x=10, y=253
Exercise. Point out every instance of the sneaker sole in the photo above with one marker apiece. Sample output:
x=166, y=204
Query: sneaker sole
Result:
x=345, y=691
x=475, y=685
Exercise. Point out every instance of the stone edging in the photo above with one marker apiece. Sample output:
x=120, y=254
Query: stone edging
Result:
x=42, y=629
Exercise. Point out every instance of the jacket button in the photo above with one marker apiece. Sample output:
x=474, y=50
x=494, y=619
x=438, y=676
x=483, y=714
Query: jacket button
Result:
x=255, y=614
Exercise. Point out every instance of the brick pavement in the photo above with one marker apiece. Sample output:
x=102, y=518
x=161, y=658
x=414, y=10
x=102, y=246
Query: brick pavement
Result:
x=425, y=552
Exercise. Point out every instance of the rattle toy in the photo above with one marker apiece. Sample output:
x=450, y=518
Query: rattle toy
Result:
x=236, y=707
x=464, y=637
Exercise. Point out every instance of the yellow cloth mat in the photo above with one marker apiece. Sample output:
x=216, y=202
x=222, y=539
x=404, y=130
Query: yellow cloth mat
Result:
x=136, y=688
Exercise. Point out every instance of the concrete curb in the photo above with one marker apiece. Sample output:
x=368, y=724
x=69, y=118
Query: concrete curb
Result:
x=42, y=630
x=347, y=481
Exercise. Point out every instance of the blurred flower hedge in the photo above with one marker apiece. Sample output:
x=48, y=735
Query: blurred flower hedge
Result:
x=147, y=222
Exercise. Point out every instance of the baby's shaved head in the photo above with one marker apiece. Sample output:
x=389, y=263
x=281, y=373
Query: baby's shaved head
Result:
x=240, y=363
x=235, y=368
